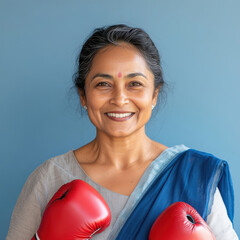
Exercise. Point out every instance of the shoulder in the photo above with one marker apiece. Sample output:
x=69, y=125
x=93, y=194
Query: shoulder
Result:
x=62, y=162
x=52, y=174
x=36, y=192
x=49, y=165
x=202, y=162
x=197, y=155
x=54, y=165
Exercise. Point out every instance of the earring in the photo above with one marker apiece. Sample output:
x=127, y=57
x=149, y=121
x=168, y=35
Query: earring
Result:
x=85, y=107
x=153, y=107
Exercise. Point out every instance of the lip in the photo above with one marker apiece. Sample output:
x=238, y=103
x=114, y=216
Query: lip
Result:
x=117, y=119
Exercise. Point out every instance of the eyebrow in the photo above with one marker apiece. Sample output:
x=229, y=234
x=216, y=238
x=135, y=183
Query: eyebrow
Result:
x=102, y=75
x=130, y=75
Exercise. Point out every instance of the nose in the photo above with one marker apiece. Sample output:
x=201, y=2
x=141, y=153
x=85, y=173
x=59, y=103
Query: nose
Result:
x=119, y=97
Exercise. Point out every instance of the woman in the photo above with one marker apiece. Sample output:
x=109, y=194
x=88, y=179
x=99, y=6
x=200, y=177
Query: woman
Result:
x=119, y=80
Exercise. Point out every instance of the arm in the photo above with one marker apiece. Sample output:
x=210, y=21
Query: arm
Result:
x=218, y=220
x=26, y=215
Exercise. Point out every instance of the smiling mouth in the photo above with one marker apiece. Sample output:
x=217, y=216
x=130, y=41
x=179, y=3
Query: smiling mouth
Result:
x=120, y=116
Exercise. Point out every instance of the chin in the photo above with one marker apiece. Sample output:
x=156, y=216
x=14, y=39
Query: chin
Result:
x=123, y=133
x=118, y=134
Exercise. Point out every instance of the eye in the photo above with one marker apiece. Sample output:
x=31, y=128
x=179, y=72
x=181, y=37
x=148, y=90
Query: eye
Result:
x=102, y=84
x=135, y=84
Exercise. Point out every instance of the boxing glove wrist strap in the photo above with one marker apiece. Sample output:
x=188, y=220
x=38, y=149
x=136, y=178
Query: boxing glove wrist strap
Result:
x=36, y=236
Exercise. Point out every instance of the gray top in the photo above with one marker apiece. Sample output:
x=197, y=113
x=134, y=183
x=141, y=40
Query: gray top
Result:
x=52, y=174
x=42, y=185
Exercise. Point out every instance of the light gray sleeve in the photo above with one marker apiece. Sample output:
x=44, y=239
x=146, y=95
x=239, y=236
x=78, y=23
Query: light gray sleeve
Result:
x=26, y=215
x=218, y=220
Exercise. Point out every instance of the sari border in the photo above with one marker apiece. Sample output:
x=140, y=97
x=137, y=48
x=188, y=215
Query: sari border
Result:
x=151, y=173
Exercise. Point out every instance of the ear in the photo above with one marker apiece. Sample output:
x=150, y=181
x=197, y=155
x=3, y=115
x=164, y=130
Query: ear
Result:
x=155, y=95
x=82, y=97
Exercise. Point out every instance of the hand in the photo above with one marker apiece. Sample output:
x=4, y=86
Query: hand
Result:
x=180, y=221
x=76, y=211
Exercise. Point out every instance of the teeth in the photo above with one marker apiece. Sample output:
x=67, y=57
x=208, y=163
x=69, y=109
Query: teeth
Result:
x=119, y=115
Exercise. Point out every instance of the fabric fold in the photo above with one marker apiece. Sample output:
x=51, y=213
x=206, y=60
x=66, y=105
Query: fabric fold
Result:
x=156, y=167
x=179, y=174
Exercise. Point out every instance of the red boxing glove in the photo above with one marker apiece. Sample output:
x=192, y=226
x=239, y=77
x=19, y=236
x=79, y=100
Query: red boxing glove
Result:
x=180, y=221
x=76, y=211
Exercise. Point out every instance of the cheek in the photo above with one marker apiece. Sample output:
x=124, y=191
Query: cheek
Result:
x=96, y=105
x=144, y=99
x=94, y=100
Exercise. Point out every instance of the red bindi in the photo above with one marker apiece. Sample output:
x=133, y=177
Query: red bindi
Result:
x=119, y=75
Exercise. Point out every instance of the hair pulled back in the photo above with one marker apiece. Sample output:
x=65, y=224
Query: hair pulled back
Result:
x=114, y=35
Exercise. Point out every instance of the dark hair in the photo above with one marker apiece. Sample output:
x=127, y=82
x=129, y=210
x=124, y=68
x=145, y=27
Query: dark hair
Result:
x=114, y=35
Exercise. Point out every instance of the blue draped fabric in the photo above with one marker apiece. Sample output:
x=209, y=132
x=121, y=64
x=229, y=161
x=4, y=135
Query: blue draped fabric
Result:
x=192, y=177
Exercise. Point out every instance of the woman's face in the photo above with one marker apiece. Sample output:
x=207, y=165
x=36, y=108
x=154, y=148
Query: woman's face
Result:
x=119, y=91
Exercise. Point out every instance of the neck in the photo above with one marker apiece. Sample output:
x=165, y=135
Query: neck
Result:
x=121, y=152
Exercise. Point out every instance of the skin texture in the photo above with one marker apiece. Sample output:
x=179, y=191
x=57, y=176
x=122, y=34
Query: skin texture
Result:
x=119, y=82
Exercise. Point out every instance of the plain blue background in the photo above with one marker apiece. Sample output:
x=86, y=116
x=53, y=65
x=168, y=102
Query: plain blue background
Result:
x=199, y=42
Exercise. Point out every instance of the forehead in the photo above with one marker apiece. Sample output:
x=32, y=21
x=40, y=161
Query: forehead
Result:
x=121, y=58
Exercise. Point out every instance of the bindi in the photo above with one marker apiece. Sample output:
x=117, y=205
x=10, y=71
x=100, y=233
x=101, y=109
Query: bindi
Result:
x=119, y=74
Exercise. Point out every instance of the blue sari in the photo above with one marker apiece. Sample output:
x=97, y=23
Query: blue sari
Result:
x=178, y=174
